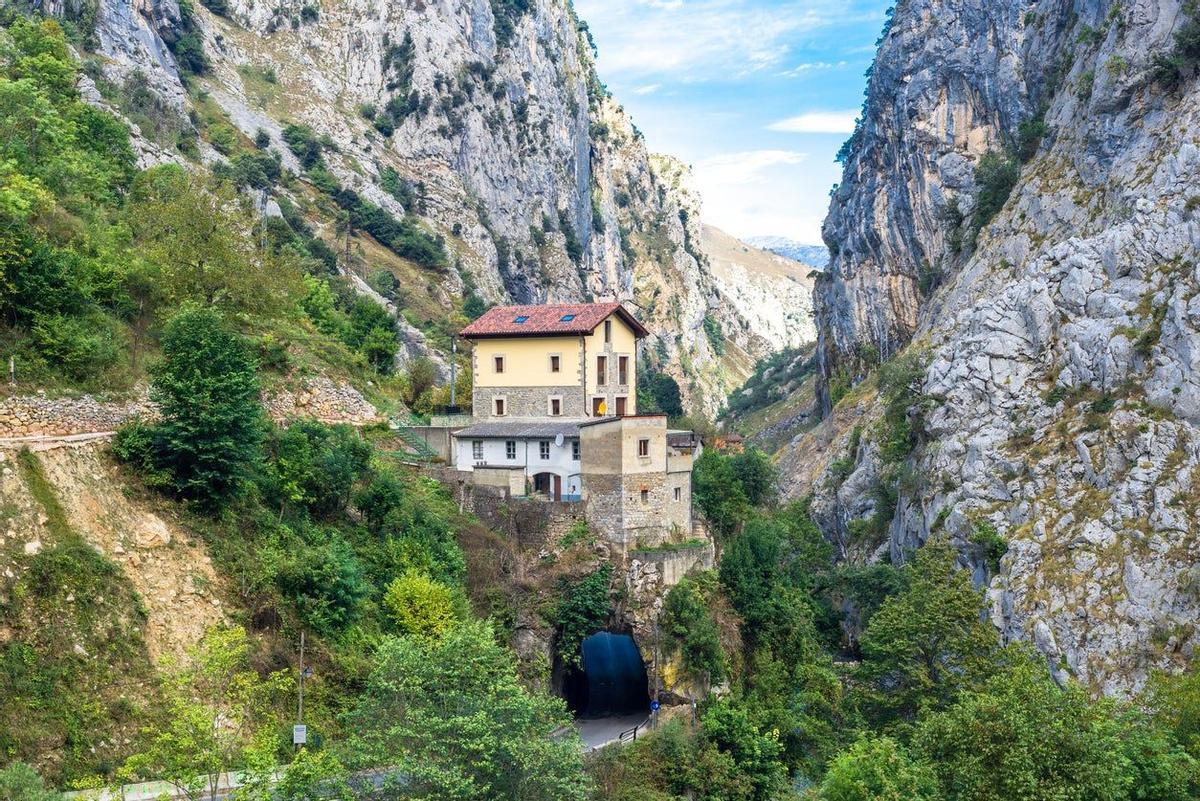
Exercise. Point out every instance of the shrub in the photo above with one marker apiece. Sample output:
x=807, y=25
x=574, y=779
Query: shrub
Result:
x=995, y=178
x=877, y=769
x=422, y=607
x=583, y=609
x=991, y=545
x=325, y=582
x=715, y=335
x=690, y=627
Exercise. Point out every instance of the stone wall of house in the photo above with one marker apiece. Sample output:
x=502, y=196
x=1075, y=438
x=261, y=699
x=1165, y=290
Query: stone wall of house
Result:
x=43, y=416
x=528, y=401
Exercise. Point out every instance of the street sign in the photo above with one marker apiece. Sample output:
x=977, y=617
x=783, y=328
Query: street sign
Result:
x=299, y=734
x=654, y=706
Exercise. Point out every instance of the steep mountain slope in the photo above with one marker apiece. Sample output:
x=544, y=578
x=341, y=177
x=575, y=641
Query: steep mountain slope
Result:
x=772, y=293
x=1048, y=402
x=485, y=120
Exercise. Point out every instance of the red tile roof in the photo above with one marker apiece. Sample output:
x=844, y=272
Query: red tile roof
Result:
x=547, y=320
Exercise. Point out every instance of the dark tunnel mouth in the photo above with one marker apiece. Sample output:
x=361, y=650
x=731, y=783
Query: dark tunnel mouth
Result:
x=611, y=679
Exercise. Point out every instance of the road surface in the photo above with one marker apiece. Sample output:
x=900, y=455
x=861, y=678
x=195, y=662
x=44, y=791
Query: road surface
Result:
x=599, y=732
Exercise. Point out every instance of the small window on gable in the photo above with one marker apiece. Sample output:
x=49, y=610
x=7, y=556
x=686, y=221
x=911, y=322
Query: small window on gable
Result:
x=608, y=330
x=521, y=319
x=643, y=447
x=498, y=363
x=544, y=449
x=566, y=318
x=510, y=452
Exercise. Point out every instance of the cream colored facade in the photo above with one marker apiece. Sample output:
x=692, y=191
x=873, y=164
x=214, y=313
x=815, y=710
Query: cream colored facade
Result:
x=591, y=375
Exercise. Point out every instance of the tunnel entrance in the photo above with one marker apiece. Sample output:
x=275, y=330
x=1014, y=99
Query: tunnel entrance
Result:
x=611, y=680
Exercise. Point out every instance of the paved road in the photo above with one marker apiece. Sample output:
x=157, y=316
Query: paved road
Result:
x=599, y=732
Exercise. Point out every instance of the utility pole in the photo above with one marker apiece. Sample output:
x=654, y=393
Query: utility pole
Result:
x=453, y=373
x=300, y=731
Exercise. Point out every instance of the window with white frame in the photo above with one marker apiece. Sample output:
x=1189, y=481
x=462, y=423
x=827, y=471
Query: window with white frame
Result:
x=510, y=450
x=544, y=449
x=643, y=447
x=477, y=450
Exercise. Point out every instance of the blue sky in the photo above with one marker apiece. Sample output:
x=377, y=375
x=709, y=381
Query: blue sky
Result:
x=757, y=95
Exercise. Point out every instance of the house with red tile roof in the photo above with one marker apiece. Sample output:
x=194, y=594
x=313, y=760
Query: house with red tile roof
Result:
x=554, y=413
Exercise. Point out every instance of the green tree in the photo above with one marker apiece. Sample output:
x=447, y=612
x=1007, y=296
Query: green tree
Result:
x=583, y=609
x=314, y=465
x=1022, y=736
x=877, y=769
x=719, y=494
x=20, y=782
x=421, y=606
x=1174, y=702
x=211, y=431
x=325, y=581
x=689, y=627
x=929, y=641
x=200, y=233
x=755, y=753
x=756, y=474
x=452, y=717
x=215, y=708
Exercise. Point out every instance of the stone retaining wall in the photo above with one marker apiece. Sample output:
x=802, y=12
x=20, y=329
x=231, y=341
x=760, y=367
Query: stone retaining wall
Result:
x=42, y=416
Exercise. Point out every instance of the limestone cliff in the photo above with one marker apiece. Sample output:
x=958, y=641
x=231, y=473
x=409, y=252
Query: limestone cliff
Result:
x=489, y=117
x=1056, y=399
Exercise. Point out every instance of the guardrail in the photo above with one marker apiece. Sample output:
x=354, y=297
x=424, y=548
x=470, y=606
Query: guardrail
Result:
x=629, y=735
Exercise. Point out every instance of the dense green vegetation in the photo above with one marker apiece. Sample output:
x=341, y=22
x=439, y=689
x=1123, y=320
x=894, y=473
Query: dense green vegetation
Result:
x=934, y=708
x=99, y=255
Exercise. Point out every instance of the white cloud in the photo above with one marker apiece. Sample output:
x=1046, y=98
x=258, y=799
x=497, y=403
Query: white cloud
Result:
x=758, y=192
x=700, y=39
x=821, y=122
x=648, y=89
x=810, y=66
x=744, y=168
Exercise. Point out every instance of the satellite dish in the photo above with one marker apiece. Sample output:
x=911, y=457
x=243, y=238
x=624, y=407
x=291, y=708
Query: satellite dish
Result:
x=558, y=440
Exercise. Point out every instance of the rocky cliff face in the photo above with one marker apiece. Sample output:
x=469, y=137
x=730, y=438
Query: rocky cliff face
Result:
x=1056, y=402
x=493, y=117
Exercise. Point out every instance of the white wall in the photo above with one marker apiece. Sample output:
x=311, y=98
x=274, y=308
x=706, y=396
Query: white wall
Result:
x=528, y=456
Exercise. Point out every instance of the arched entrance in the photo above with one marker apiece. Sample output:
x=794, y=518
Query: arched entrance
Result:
x=549, y=484
x=611, y=680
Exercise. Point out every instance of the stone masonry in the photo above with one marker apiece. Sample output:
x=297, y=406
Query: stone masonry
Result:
x=43, y=416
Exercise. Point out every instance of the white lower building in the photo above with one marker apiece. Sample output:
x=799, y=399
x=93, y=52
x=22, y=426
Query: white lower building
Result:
x=547, y=453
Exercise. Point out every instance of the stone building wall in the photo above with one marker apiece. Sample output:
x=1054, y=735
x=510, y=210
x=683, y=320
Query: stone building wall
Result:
x=42, y=416
x=527, y=401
